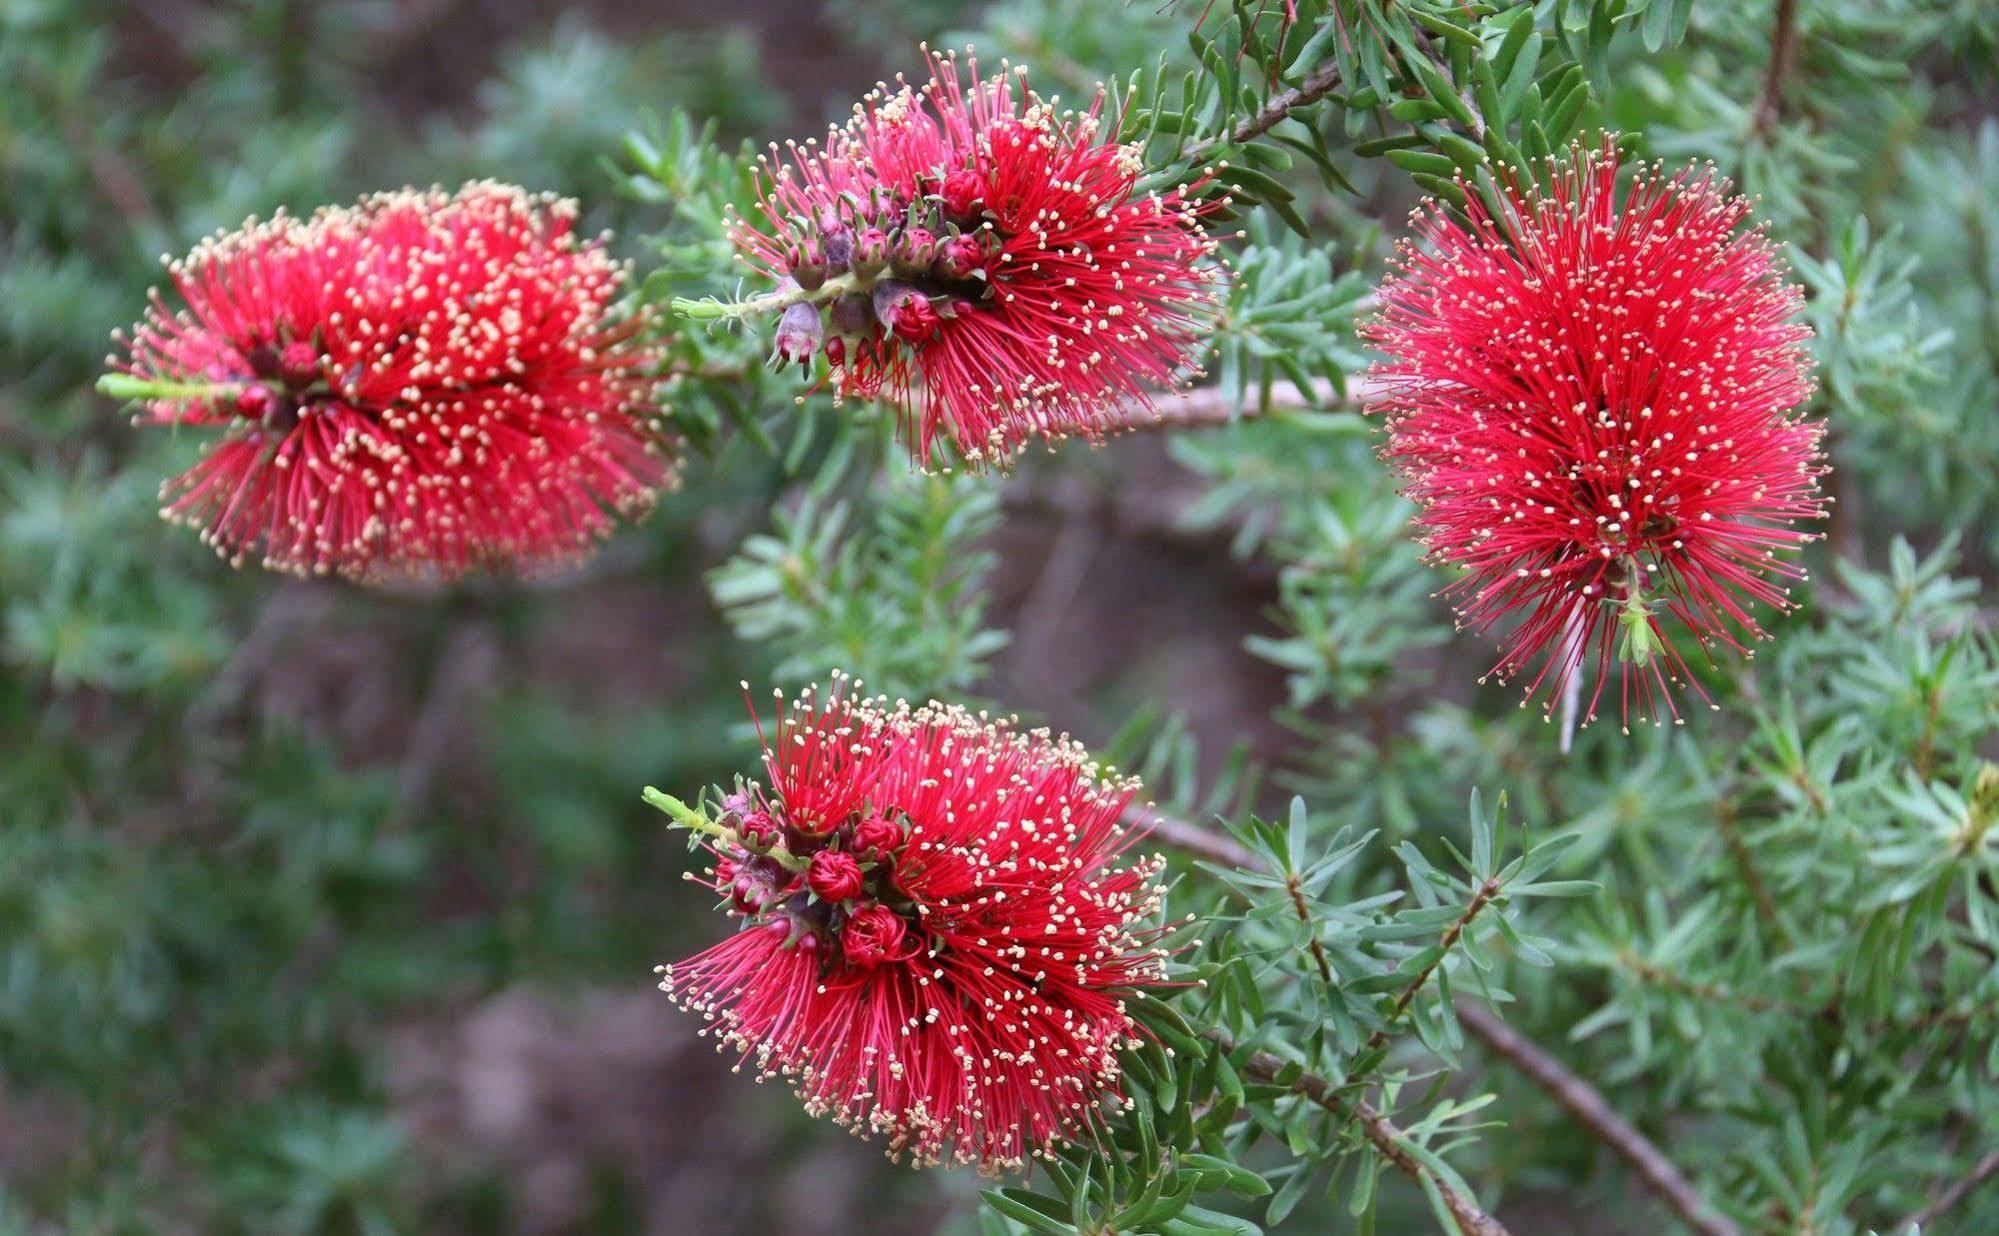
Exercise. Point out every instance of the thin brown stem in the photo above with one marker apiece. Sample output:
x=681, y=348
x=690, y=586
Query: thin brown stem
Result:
x=1304, y=913
x=1582, y=1100
x=1712, y=993
x=468, y=661
x=1587, y=1105
x=1320, y=83
x=1745, y=866
x=1382, y=1133
x=1191, y=838
x=1783, y=52
x=1209, y=407
x=1986, y=1169
x=1480, y=900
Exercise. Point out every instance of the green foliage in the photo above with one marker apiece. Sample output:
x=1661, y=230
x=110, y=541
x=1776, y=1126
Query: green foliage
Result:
x=897, y=602
x=257, y=836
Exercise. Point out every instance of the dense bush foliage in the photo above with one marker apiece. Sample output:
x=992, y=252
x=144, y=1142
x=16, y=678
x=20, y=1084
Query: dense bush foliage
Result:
x=320, y=904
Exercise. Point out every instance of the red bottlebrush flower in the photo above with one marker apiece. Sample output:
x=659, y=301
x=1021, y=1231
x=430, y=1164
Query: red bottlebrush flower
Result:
x=1050, y=293
x=968, y=1002
x=1594, y=405
x=414, y=385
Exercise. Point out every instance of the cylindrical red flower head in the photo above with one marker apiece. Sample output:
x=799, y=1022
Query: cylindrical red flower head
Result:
x=1594, y=404
x=968, y=1002
x=1071, y=296
x=412, y=386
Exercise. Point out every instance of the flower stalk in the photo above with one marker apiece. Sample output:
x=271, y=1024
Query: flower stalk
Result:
x=129, y=386
x=708, y=309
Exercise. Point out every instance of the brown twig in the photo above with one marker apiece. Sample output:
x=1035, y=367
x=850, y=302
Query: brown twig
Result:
x=1207, y=407
x=1316, y=86
x=1304, y=913
x=1745, y=866
x=469, y=659
x=1588, y=1106
x=1381, y=1132
x=1582, y=1100
x=1190, y=838
x=1985, y=1169
x=1783, y=51
x=1712, y=993
x=1487, y=890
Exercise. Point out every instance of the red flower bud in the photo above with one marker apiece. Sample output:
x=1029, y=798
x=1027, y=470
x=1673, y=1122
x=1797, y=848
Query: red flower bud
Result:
x=799, y=332
x=878, y=834
x=960, y=258
x=915, y=251
x=835, y=876
x=255, y=402
x=906, y=311
x=852, y=316
x=759, y=829
x=808, y=265
x=836, y=350
x=871, y=253
x=963, y=194
x=300, y=363
x=873, y=935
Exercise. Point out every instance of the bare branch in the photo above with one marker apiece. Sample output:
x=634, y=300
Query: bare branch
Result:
x=1987, y=1168
x=1593, y=1112
x=468, y=661
x=1783, y=51
x=1190, y=838
x=1207, y=407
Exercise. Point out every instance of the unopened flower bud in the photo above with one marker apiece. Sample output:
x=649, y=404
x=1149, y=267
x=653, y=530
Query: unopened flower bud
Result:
x=960, y=257
x=852, y=316
x=255, y=402
x=871, y=253
x=836, y=240
x=906, y=311
x=963, y=195
x=300, y=363
x=808, y=266
x=799, y=332
x=835, y=875
x=758, y=830
x=915, y=251
x=872, y=935
x=877, y=835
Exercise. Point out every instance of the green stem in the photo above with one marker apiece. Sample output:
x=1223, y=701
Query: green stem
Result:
x=709, y=310
x=695, y=821
x=131, y=386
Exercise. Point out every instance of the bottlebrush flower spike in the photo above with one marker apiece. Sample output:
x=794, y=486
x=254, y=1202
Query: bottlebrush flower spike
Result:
x=937, y=941
x=986, y=263
x=415, y=385
x=1594, y=405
